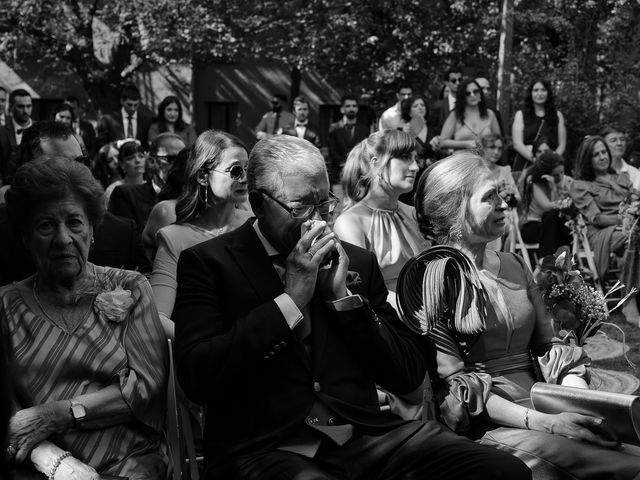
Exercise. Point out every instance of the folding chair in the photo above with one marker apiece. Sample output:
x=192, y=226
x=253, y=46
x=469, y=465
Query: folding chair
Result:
x=582, y=251
x=515, y=242
x=178, y=429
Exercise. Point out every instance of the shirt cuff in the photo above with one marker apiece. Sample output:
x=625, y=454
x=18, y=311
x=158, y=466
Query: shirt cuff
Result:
x=289, y=309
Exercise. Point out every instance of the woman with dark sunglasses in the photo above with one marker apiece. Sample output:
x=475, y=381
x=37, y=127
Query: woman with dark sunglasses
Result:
x=469, y=121
x=215, y=184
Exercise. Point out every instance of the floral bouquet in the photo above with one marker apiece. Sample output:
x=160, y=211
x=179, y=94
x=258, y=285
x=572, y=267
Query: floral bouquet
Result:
x=569, y=212
x=508, y=192
x=578, y=310
x=629, y=210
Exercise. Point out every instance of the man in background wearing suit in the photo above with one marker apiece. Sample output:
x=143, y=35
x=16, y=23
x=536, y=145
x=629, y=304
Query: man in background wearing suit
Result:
x=444, y=106
x=82, y=127
x=343, y=136
x=274, y=122
x=283, y=332
x=300, y=125
x=3, y=106
x=128, y=122
x=20, y=107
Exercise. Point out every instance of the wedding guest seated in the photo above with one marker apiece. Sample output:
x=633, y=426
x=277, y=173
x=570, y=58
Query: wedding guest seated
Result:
x=378, y=170
x=87, y=350
x=285, y=352
x=616, y=140
x=106, y=167
x=484, y=355
x=546, y=192
x=136, y=201
x=215, y=183
x=163, y=213
x=132, y=163
x=598, y=192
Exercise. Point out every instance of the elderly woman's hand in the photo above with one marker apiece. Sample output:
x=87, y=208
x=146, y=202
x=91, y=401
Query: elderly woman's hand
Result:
x=32, y=425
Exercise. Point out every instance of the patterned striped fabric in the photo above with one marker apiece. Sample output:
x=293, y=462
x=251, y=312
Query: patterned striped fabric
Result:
x=51, y=364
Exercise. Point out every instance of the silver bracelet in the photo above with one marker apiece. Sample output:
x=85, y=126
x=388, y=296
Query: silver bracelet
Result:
x=526, y=419
x=56, y=464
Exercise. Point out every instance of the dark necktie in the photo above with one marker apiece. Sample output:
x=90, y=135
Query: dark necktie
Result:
x=275, y=123
x=129, y=126
x=350, y=129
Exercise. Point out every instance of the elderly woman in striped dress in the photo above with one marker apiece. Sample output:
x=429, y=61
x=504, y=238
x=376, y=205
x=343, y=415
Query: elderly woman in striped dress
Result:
x=85, y=342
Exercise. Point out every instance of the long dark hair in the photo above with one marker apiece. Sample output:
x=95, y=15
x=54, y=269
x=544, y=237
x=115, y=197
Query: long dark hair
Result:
x=550, y=111
x=544, y=164
x=461, y=100
x=162, y=123
x=406, y=104
x=583, y=169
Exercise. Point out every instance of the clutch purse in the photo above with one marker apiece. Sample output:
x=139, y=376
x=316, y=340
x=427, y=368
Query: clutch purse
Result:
x=620, y=412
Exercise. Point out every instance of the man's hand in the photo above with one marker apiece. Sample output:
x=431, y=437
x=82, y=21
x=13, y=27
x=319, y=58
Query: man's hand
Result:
x=302, y=264
x=333, y=281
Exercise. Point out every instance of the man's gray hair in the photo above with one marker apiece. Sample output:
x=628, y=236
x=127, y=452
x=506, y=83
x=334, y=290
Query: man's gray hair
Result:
x=276, y=157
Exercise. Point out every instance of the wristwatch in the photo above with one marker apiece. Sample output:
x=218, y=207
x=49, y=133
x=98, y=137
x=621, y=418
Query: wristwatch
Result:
x=78, y=412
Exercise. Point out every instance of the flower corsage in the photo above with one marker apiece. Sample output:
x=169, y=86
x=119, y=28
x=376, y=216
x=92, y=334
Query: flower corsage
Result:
x=113, y=305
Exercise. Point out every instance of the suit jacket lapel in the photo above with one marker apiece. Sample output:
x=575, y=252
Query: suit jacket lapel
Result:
x=12, y=132
x=319, y=312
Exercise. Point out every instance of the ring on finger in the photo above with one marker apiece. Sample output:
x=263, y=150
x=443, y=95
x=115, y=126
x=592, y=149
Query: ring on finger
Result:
x=11, y=451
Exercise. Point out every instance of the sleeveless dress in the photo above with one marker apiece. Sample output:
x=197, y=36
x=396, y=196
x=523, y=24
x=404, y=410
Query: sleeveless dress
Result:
x=500, y=361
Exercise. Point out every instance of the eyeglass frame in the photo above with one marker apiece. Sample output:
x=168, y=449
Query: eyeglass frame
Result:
x=333, y=201
x=227, y=171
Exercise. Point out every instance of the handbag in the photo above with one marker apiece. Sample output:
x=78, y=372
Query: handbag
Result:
x=620, y=412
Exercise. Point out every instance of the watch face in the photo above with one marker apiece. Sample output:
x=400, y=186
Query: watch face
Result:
x=78, y=411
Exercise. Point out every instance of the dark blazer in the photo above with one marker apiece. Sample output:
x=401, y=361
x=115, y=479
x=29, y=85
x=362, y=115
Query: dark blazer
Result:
x=88, y=134
x=110, y=128
x=237, y=355
x=341, y=142
x=439, y=113
x=309, y=134
x=8, y=152
x=134, y=202
x=117, y=244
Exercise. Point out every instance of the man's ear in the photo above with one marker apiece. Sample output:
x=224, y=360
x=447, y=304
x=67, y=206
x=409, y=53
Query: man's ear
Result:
x=256, y=201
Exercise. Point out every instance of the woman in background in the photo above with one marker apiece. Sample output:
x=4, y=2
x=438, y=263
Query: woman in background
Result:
x=106, y=168
x=597, y=192
x=63, y=113
x=545, y=192
x=413, y=116
x=469, y=121
x=378, y=170
x=215, y=182
x=132, y=164
x=169, y=119
x=538, y=118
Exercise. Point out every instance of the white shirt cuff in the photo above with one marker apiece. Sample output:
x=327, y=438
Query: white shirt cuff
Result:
x=289, y=309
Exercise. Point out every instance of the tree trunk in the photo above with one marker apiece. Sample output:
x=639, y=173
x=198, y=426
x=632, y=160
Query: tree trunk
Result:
x=505, y=62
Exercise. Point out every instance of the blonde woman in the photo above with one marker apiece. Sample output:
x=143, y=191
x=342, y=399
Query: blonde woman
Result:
x=378, y=170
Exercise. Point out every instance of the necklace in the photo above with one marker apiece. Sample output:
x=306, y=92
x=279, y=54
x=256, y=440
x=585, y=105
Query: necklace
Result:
x=69, y=325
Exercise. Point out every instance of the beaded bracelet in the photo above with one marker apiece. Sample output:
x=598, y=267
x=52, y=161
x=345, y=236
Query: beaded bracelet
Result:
x=56, y=464
x=526, y=419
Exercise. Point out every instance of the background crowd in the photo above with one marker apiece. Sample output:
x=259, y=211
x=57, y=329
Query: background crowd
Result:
x=114, y=238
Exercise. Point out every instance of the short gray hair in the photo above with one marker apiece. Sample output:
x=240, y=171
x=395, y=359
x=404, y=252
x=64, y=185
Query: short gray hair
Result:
x=276, y=157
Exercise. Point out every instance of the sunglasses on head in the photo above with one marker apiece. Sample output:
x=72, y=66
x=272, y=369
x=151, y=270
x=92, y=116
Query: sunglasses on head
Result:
x=236, y=172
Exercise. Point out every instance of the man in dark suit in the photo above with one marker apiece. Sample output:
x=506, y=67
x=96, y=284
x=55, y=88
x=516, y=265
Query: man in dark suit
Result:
x=283, y=333
x=20, y=107
x=83, y=128
x=300, y=126
x=273, y=122
x=343, y=136
x=117, y=243
x=128, y=122
x=444, y=106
